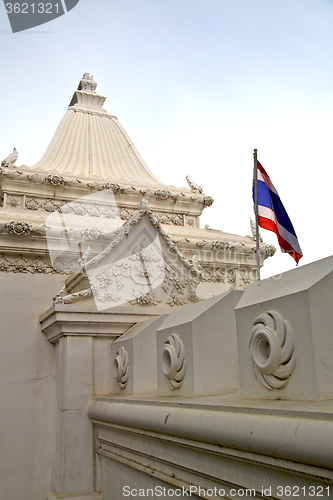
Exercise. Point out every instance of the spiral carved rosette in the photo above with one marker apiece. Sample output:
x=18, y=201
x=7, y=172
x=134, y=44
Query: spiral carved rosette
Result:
x=173, y=361
x=273, y=350
x=120, y=367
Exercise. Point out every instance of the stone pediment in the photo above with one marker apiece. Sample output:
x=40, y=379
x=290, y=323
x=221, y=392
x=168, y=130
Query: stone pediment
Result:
x=140, y=266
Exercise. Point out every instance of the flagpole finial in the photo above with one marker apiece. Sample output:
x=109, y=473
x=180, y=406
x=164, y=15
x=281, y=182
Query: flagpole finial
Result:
x=255, y=186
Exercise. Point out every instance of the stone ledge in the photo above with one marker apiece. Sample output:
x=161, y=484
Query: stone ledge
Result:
x=62, y=320
x=305, y=439
x=82, y=496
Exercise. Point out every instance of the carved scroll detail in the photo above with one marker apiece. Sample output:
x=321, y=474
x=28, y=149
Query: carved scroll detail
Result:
x=173, y=361
x=121, y=367
x=272, y=349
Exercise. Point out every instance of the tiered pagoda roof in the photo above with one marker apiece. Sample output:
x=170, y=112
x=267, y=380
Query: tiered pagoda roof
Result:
x=89, y=182
x=90, y=143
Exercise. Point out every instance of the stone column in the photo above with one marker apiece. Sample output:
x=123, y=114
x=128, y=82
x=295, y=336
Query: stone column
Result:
x=82, y=337
x=74, y=458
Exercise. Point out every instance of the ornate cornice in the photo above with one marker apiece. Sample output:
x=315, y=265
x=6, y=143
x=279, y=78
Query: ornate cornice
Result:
x=71, y=297
x=77, y=109
x=9, y=173
x=53, y=180
x=28, y=264
x=23, y=228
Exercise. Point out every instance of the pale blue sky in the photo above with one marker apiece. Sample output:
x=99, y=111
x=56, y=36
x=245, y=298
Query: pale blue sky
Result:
x=198, y=84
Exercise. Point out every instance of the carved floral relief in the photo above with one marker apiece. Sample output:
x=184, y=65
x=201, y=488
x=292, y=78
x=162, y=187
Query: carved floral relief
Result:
x=14, y=201
x=24, y=264
x=18, y=228
x=131, y=278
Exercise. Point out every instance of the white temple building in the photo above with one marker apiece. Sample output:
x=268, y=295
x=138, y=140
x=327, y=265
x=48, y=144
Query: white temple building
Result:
x=139, y=356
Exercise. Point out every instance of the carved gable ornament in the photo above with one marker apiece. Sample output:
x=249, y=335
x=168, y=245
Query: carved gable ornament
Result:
x=141, y=265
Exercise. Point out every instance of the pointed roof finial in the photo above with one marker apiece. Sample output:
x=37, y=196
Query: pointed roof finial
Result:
x=143, y=205
x=86, y=96
x=87, y=83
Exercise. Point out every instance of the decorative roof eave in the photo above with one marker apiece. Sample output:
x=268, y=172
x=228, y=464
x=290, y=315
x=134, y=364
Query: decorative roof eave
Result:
x=91, y=150
x=40, y=177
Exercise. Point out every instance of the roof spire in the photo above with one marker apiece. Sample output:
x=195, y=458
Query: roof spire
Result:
x=91, y=143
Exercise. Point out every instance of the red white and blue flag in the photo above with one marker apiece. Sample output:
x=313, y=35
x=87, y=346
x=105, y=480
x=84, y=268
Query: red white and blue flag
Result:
x=273, y=216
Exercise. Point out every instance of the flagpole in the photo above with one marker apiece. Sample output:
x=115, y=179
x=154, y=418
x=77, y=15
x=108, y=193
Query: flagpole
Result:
x=255, y=180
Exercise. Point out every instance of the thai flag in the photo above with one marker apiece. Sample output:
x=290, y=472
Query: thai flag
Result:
x=273, y=216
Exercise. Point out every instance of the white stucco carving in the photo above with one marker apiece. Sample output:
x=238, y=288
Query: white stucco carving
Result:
x=135, y=275
x=173, y=361
x=121, y=367
x=273, y=350
x=23, y=228
x=9, y=174
x=114, y=186
x=10, y=160
x=54, y=180
x=208, y=201
x=194, y=186
x=87, y=83
x=254, y=231
x=25, y=264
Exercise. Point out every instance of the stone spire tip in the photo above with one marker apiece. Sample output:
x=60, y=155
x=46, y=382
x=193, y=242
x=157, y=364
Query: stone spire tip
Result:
x=87, y=83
